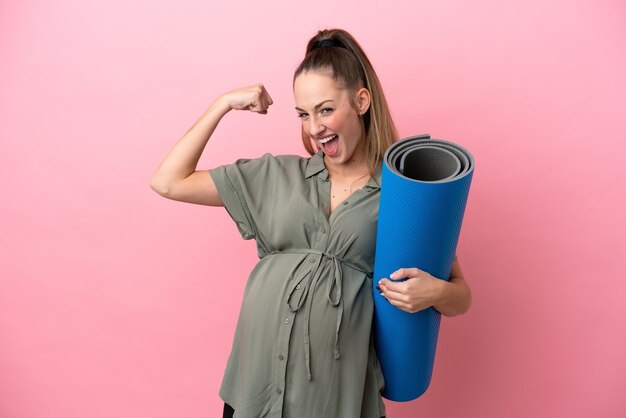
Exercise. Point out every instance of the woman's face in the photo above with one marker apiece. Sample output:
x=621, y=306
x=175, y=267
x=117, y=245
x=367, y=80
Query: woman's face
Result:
x=328, y=117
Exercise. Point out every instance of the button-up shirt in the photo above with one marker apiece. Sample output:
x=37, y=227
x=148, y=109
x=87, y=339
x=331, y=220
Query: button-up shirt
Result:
x=303, y=346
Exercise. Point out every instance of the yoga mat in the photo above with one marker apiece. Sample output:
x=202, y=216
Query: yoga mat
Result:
x=424, y=189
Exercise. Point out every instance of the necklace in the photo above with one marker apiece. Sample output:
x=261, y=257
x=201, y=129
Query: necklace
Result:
x=352, y=184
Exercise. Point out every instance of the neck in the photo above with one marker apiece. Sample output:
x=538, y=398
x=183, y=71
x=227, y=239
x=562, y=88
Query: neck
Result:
x=355, y=166
x=351, y=169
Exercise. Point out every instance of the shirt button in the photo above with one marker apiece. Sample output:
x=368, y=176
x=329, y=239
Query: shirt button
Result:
x=279, y=391
x=286, y=320
x=281, y=357
x=345, y=202
x=311, y=260
x=297, y=286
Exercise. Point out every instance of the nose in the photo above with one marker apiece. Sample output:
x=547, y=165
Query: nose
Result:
x=315, y=126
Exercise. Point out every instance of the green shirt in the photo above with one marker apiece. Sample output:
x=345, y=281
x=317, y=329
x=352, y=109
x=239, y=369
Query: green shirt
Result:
x=303, y=346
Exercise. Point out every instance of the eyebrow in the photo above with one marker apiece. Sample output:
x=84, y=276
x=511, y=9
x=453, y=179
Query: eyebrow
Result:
x=317, y=106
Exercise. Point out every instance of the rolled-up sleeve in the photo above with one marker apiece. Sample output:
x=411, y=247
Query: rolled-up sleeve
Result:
x=241, y=187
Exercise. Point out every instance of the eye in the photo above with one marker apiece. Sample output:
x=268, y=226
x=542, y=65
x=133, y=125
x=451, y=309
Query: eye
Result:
x=302, y=115
x=326, y=110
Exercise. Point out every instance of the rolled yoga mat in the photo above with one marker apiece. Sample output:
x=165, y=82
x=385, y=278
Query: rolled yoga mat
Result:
x=425, y=185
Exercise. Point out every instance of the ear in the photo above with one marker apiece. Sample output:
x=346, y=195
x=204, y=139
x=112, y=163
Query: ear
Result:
x=362, y=100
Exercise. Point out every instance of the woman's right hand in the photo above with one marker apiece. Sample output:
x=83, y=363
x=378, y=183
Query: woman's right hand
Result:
x=254, y=98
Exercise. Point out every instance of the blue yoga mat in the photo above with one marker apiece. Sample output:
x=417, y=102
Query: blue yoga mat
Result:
x=425, y=185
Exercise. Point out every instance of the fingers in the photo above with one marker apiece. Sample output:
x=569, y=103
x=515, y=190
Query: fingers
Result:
x=401, y=301
x=394, y=292
x=388, y=284
x=400, y=289
x=254, y=98
x=395, y=296
x=267, y=96
x=397, y=279
x=404, y=273
x=257, y=109
x=263, y=102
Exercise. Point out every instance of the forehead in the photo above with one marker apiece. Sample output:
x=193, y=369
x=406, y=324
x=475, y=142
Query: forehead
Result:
x=313, y=87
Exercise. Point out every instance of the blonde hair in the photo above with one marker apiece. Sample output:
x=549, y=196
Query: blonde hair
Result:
x=336, y=51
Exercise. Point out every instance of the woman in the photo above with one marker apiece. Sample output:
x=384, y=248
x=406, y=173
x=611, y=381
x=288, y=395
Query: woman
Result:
x=303, y=345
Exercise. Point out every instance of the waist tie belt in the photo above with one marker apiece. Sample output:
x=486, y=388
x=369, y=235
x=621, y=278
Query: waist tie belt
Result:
x=335, y=283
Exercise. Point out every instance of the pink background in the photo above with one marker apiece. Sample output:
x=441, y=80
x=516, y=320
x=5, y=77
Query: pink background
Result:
x=116, y=302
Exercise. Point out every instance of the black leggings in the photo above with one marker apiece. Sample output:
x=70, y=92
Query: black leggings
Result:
x=229, y=411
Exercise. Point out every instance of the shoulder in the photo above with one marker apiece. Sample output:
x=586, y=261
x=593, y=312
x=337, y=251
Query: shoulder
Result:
x=266, y=166
x=270, y=158
x=289, y=164
x=285, y=159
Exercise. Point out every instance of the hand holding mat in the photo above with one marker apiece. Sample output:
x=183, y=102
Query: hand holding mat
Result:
x=424, y=190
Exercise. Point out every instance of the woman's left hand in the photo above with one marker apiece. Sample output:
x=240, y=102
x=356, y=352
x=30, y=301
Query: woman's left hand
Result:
x=419, y=292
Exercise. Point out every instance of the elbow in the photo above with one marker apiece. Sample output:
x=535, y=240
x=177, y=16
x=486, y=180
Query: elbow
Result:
x=459, y=308
x=468, y=301
x=454, y=312
x=161, y=188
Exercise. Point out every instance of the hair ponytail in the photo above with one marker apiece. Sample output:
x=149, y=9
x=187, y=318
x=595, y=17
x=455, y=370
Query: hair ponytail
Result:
x=337, y=51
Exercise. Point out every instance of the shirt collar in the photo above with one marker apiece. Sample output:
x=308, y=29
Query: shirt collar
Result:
x=375, y=180
x=316, y=166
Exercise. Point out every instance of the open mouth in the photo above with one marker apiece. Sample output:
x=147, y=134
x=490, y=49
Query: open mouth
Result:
x=327, y=139
x=330, y=144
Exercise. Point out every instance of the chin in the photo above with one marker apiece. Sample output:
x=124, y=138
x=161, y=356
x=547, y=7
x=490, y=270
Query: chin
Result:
x=337, y=158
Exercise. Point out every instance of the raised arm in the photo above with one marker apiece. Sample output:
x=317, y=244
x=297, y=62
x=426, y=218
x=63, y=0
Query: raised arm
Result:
x=177, y=177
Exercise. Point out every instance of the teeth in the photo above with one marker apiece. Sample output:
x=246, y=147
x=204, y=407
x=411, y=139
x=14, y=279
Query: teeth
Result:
x=328, y=138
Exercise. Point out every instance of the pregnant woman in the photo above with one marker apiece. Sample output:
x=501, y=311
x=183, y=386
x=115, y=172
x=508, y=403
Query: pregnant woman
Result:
x=303, y=345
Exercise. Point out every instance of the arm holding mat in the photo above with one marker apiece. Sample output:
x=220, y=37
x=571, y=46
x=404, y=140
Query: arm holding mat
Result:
x=422, y=291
